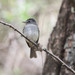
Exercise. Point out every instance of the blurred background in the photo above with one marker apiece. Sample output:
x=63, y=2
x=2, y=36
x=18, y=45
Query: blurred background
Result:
x=14, y=52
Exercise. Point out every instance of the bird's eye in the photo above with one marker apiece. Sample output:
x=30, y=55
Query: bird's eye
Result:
x=73, y=47
x=29, y=21
x=70, y=52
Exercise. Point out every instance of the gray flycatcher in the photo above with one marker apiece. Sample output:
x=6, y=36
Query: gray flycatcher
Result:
x=31, y=31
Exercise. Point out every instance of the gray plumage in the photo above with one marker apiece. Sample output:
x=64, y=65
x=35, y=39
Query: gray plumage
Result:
x=31, y=31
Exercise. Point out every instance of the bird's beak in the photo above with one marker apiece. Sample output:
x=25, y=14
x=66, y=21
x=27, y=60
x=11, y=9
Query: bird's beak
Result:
x=24, y=22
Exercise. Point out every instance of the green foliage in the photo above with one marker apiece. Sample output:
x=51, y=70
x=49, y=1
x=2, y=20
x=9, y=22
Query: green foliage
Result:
x=24, y=15
x=9, y=16
x=24, y=12
x=16, y=11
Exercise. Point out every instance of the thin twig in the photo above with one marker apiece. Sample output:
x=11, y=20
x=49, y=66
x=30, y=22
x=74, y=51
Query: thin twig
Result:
x=9, y=25
x=57, y=58
x=36, y=45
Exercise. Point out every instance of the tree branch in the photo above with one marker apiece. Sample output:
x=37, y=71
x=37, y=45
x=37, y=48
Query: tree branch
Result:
x=9, y=25
x=39, y=47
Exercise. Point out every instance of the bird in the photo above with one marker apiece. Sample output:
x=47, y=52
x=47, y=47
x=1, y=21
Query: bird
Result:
x=31, y=31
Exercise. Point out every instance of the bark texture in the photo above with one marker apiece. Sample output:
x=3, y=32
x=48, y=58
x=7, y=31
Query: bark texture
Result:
x=64, y=27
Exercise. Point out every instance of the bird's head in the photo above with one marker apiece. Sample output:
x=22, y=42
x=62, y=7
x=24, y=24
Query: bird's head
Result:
x=30, y=21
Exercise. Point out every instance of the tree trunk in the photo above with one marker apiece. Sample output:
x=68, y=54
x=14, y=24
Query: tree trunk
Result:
x=64, y=27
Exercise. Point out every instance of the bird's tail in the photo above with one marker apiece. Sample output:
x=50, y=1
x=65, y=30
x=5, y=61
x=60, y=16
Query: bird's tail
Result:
x=32, y=53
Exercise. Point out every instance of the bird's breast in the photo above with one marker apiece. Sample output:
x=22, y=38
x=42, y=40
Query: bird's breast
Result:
x=31, y=32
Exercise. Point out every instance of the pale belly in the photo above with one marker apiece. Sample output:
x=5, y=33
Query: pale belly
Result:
x=31, y=32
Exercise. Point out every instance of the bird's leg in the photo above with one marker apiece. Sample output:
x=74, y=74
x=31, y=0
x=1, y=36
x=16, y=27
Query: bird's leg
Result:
x=39, y=47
